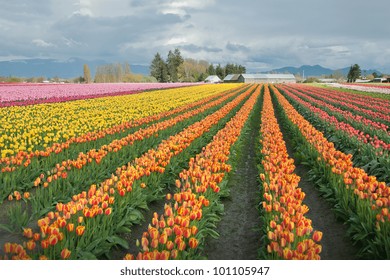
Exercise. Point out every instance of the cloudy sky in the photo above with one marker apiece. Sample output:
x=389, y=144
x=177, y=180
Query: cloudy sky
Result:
x=260, y=34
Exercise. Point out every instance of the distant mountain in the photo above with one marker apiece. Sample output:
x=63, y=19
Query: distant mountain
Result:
x=317, y=70
x=49, y=68
x=305, y=70
x=73, y=67
x=364, y=71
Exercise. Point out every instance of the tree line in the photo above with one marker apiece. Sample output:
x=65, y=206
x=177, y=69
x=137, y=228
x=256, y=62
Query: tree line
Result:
x=175, y=68
x=114, y=73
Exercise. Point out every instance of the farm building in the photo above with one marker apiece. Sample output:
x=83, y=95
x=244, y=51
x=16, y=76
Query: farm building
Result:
x=231, y=78
x=266, y=78
x=379, y=80
x=213, y=79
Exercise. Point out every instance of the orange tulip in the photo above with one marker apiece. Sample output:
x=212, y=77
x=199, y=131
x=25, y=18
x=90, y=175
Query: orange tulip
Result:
x=53, y=239
x=80, y=230
x=61, y=222
x=170, y=245
x=174, y=254
x=104, y=204
x=154, y=243
x=65, y=254
x=129, y=257
x=8, y=247
x=301, y=247
x=27, y=232
x=317, y=236
x=45, y=244
x=70, y=227
x=181, y=246
x=193, y=243
x=287, y=254
x=194, y=230
x=51, y=215
x=36, y=236
x=163, y=238
x=31, y=245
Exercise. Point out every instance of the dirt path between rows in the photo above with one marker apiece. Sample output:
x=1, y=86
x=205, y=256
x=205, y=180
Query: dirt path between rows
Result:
x=240, y=227
x=335, y=244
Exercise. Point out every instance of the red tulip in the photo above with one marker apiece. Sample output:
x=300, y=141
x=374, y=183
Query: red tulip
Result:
x=53, y=239
x=108, y=211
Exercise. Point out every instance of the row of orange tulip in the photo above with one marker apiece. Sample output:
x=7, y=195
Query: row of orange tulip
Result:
x=17, y=181
x=180, y=230
x=96, y=155
x=368, y=198
x=290, y=234
x=90, y=213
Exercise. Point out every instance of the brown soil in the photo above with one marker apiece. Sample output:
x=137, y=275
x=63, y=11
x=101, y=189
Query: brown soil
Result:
x=335, y=244
x=240, y=227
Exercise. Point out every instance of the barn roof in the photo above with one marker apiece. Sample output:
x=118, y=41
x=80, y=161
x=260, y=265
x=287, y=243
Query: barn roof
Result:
x=268, y=76
x=213, y=78
x=231, y=77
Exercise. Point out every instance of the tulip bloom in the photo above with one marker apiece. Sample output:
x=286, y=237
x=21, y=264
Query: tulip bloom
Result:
x=31, y=245
x=8, y=247
x=193, y=243
x=36, y=236
x=65, y=254
x=44, y=244
x=317, y=236
x=70, y=227
x=27, y=232
x=80, y=230
x=163, y=238
x=108, y=211
x=53, y=239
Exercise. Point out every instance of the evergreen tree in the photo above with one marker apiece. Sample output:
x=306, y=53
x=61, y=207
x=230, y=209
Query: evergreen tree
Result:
x=354, y=73
x=220, y=71
x=174, y=60
x=241, y=69
x=211, y=70
x=230, y=69
x=158, y=69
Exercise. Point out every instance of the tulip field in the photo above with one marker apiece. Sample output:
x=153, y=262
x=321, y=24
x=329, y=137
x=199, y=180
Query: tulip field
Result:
x=145, y=172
